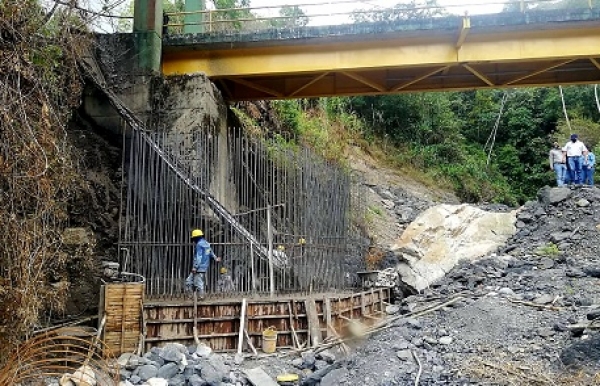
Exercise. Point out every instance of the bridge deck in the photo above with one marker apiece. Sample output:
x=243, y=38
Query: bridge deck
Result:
x=448, y=53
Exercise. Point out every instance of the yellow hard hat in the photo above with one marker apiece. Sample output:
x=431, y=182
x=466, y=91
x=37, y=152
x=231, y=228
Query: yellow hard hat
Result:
x=197, y=233
x=280, y=247
x=302, y=240
x=223, y=270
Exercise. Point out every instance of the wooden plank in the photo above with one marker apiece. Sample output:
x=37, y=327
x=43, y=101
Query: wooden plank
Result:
x=123, y=305
x=249, y=340
x=327, y=312
x=313, y=322
x=258, y=377
x=123, y=310
x=242, y=325
x=363, y=309
x=295, y=340
x=101, y=307
x=218, y=321
x=217, y=335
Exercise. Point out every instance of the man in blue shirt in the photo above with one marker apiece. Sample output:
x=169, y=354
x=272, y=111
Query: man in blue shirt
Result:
x=589, y=166
x=202, y=255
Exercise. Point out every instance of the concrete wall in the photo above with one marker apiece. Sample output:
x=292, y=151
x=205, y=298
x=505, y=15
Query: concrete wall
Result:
x=191, y=103
x=117, y=57
x=177, y=104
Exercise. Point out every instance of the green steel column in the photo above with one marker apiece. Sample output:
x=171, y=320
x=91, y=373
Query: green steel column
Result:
x=147, y=28
x=193, y=21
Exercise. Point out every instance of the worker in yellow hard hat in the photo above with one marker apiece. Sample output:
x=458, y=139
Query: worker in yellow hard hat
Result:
x=225, y=283
x=280, y=255
x=202, y=255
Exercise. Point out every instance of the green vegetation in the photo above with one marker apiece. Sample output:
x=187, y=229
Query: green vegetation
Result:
x=377, y=210
x=321, y=124
x=448, y=139
x=549, y=250
x=226, y=15
x=411, y=10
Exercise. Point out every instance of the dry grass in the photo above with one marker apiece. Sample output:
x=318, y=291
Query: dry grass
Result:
x=507, y=373
x=40, y=85
x=374, y=258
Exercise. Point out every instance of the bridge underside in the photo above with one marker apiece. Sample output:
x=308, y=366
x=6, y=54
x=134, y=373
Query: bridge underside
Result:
x=433, y=60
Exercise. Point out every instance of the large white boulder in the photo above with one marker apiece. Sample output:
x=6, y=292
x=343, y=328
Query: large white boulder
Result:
x=446, y=234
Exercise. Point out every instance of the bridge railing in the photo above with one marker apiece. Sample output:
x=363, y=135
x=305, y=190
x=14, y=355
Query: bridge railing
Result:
x=333, y=13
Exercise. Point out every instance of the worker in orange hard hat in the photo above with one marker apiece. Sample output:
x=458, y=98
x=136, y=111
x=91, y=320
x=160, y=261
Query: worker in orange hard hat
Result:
x=202, y=255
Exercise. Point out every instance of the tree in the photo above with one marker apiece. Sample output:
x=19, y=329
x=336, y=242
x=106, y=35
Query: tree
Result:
x=229, y=15
x=413, y=10
x=558, y=5
x=290, y=16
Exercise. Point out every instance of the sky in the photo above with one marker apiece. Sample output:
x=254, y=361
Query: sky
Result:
x=473, y=7
x=327, y=7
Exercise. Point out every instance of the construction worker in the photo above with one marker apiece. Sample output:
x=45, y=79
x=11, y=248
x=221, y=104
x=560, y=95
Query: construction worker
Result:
x=280, y=256
x=202, y=255
x=225, y=283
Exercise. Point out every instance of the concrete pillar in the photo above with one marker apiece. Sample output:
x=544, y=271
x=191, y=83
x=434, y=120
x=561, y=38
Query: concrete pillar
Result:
x=192, y=21
x=147, y=28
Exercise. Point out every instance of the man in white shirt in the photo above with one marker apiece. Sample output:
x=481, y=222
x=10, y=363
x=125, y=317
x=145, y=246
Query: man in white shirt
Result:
x=575, y=153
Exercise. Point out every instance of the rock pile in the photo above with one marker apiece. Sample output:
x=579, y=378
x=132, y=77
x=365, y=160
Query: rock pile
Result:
x=564, y=220
x=178, y=365
x=513, y=320
x=518, y=306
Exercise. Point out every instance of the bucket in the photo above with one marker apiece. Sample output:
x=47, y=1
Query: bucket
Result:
x=269, y=340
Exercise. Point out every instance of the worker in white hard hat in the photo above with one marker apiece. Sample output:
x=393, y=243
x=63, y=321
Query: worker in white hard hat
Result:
x=202, y=255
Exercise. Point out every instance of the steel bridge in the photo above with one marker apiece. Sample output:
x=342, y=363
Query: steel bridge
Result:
x=250, y=59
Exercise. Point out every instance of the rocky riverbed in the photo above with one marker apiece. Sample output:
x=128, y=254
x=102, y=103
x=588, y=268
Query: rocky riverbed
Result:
x=518, y=316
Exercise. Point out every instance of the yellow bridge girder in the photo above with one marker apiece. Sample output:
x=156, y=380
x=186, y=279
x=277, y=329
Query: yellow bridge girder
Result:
x=559, y=53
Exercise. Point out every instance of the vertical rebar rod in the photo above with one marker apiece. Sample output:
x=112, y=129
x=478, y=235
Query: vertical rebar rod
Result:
x=270, y=241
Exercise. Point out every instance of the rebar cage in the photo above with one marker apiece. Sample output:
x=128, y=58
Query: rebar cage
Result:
x=278, y=214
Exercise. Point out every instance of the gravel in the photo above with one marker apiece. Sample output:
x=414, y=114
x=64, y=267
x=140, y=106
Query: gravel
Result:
x=510, y=326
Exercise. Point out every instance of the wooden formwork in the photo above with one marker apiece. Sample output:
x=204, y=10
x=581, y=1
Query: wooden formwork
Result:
x=121, y=307
x=218, y=320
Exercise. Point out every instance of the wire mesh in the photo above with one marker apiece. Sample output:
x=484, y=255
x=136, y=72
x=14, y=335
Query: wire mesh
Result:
x=256, y=199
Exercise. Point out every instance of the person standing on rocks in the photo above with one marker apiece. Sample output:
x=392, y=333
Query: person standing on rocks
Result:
x=575, y=151
x=589, y=167
x=202, y=255
x=557, y=163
